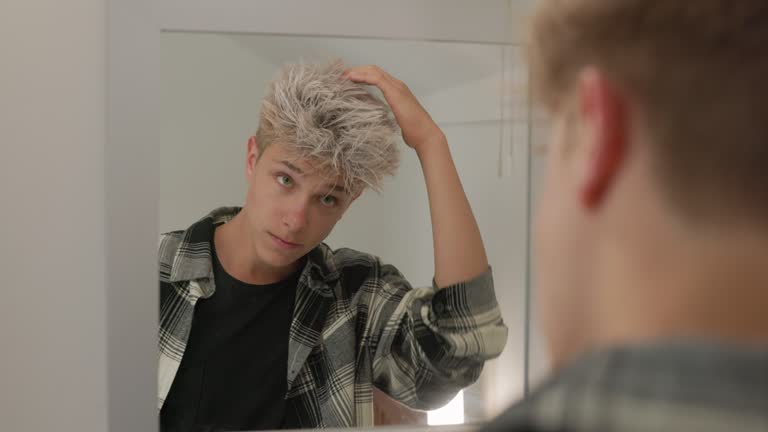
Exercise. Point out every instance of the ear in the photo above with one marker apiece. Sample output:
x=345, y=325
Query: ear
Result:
x=251, y=158
x=603, y=112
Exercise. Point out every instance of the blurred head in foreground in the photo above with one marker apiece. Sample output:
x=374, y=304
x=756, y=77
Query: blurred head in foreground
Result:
x=653, y=220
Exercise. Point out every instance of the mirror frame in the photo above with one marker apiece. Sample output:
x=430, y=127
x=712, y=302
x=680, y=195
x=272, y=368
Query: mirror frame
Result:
x=132, y=170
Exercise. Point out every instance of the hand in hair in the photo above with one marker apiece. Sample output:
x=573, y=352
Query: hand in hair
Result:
x=459, y=250
x=419, y=130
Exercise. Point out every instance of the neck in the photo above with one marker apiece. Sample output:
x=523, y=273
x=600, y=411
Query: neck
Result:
x=238, y=254
x=678, y=284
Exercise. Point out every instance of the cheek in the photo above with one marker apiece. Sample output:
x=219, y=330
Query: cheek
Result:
x=265, y=214
x=555, y=210
x=550, y=207
x=547, y=244
x=258, y=191
x=323, y=224
x=554, y=243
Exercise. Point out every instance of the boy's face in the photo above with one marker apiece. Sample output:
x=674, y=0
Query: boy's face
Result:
x=289, y=208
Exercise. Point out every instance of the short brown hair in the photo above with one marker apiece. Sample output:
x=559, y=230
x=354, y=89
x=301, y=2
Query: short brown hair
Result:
x=698, y=71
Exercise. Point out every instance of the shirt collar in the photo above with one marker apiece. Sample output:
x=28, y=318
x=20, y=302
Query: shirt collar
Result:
x=193, y=259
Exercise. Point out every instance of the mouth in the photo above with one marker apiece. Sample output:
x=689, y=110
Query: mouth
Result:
x=285, y=244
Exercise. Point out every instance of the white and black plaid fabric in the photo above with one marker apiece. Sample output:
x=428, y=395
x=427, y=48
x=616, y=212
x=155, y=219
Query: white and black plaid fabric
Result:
x=675, y=387
x=357, y=324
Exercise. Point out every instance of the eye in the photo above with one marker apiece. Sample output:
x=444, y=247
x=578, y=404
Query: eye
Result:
x=328, y=201
x=284, y=180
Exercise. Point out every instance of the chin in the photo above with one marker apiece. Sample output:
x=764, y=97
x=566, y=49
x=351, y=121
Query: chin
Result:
x=278, y=260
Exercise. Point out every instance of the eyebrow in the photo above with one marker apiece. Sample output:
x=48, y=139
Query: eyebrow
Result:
x=292, y=167
x=331, y=187
x=337, y=188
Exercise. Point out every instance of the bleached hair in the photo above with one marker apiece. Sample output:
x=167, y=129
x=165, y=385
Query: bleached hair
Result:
x=332, y=123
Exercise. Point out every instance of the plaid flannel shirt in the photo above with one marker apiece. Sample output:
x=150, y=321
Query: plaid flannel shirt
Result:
x=357, y=323
x=675, y=387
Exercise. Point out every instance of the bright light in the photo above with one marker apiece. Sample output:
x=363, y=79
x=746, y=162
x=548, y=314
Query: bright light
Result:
x=451, y=414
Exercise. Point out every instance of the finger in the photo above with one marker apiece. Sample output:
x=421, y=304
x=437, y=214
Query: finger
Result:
x=393, y=82
x=370, y=73
x=374, y=75
x=386, y=76
x=365, y=74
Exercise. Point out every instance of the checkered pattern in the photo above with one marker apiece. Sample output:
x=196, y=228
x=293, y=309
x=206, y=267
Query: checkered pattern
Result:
x=357, y=324
x=676, y=387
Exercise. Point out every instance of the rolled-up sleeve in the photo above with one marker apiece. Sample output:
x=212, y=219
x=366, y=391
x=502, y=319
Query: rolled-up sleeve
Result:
x=432, y=341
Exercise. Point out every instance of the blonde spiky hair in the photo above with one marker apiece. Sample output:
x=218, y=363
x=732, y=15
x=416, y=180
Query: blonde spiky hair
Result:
x=332, y=123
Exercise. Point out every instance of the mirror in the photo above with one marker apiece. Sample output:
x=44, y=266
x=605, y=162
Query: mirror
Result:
x=212, y=86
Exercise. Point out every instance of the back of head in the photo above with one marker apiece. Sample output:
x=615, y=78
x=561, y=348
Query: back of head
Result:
x=654, y=214
x=332, y=123
x=652, y=240
x=698, y=72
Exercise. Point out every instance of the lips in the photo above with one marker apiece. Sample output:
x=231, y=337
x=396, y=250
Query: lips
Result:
x=279, y=241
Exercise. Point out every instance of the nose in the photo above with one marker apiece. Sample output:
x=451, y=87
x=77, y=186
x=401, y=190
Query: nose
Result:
x=295, y=217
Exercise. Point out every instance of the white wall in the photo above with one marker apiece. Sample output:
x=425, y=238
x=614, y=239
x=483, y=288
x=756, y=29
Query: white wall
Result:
x=53, y=373
x=451, y=20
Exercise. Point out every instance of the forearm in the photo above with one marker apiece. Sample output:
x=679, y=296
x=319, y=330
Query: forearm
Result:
x=459, y=251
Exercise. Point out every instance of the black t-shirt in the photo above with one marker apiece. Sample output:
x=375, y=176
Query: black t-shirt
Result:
x=233, y=375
